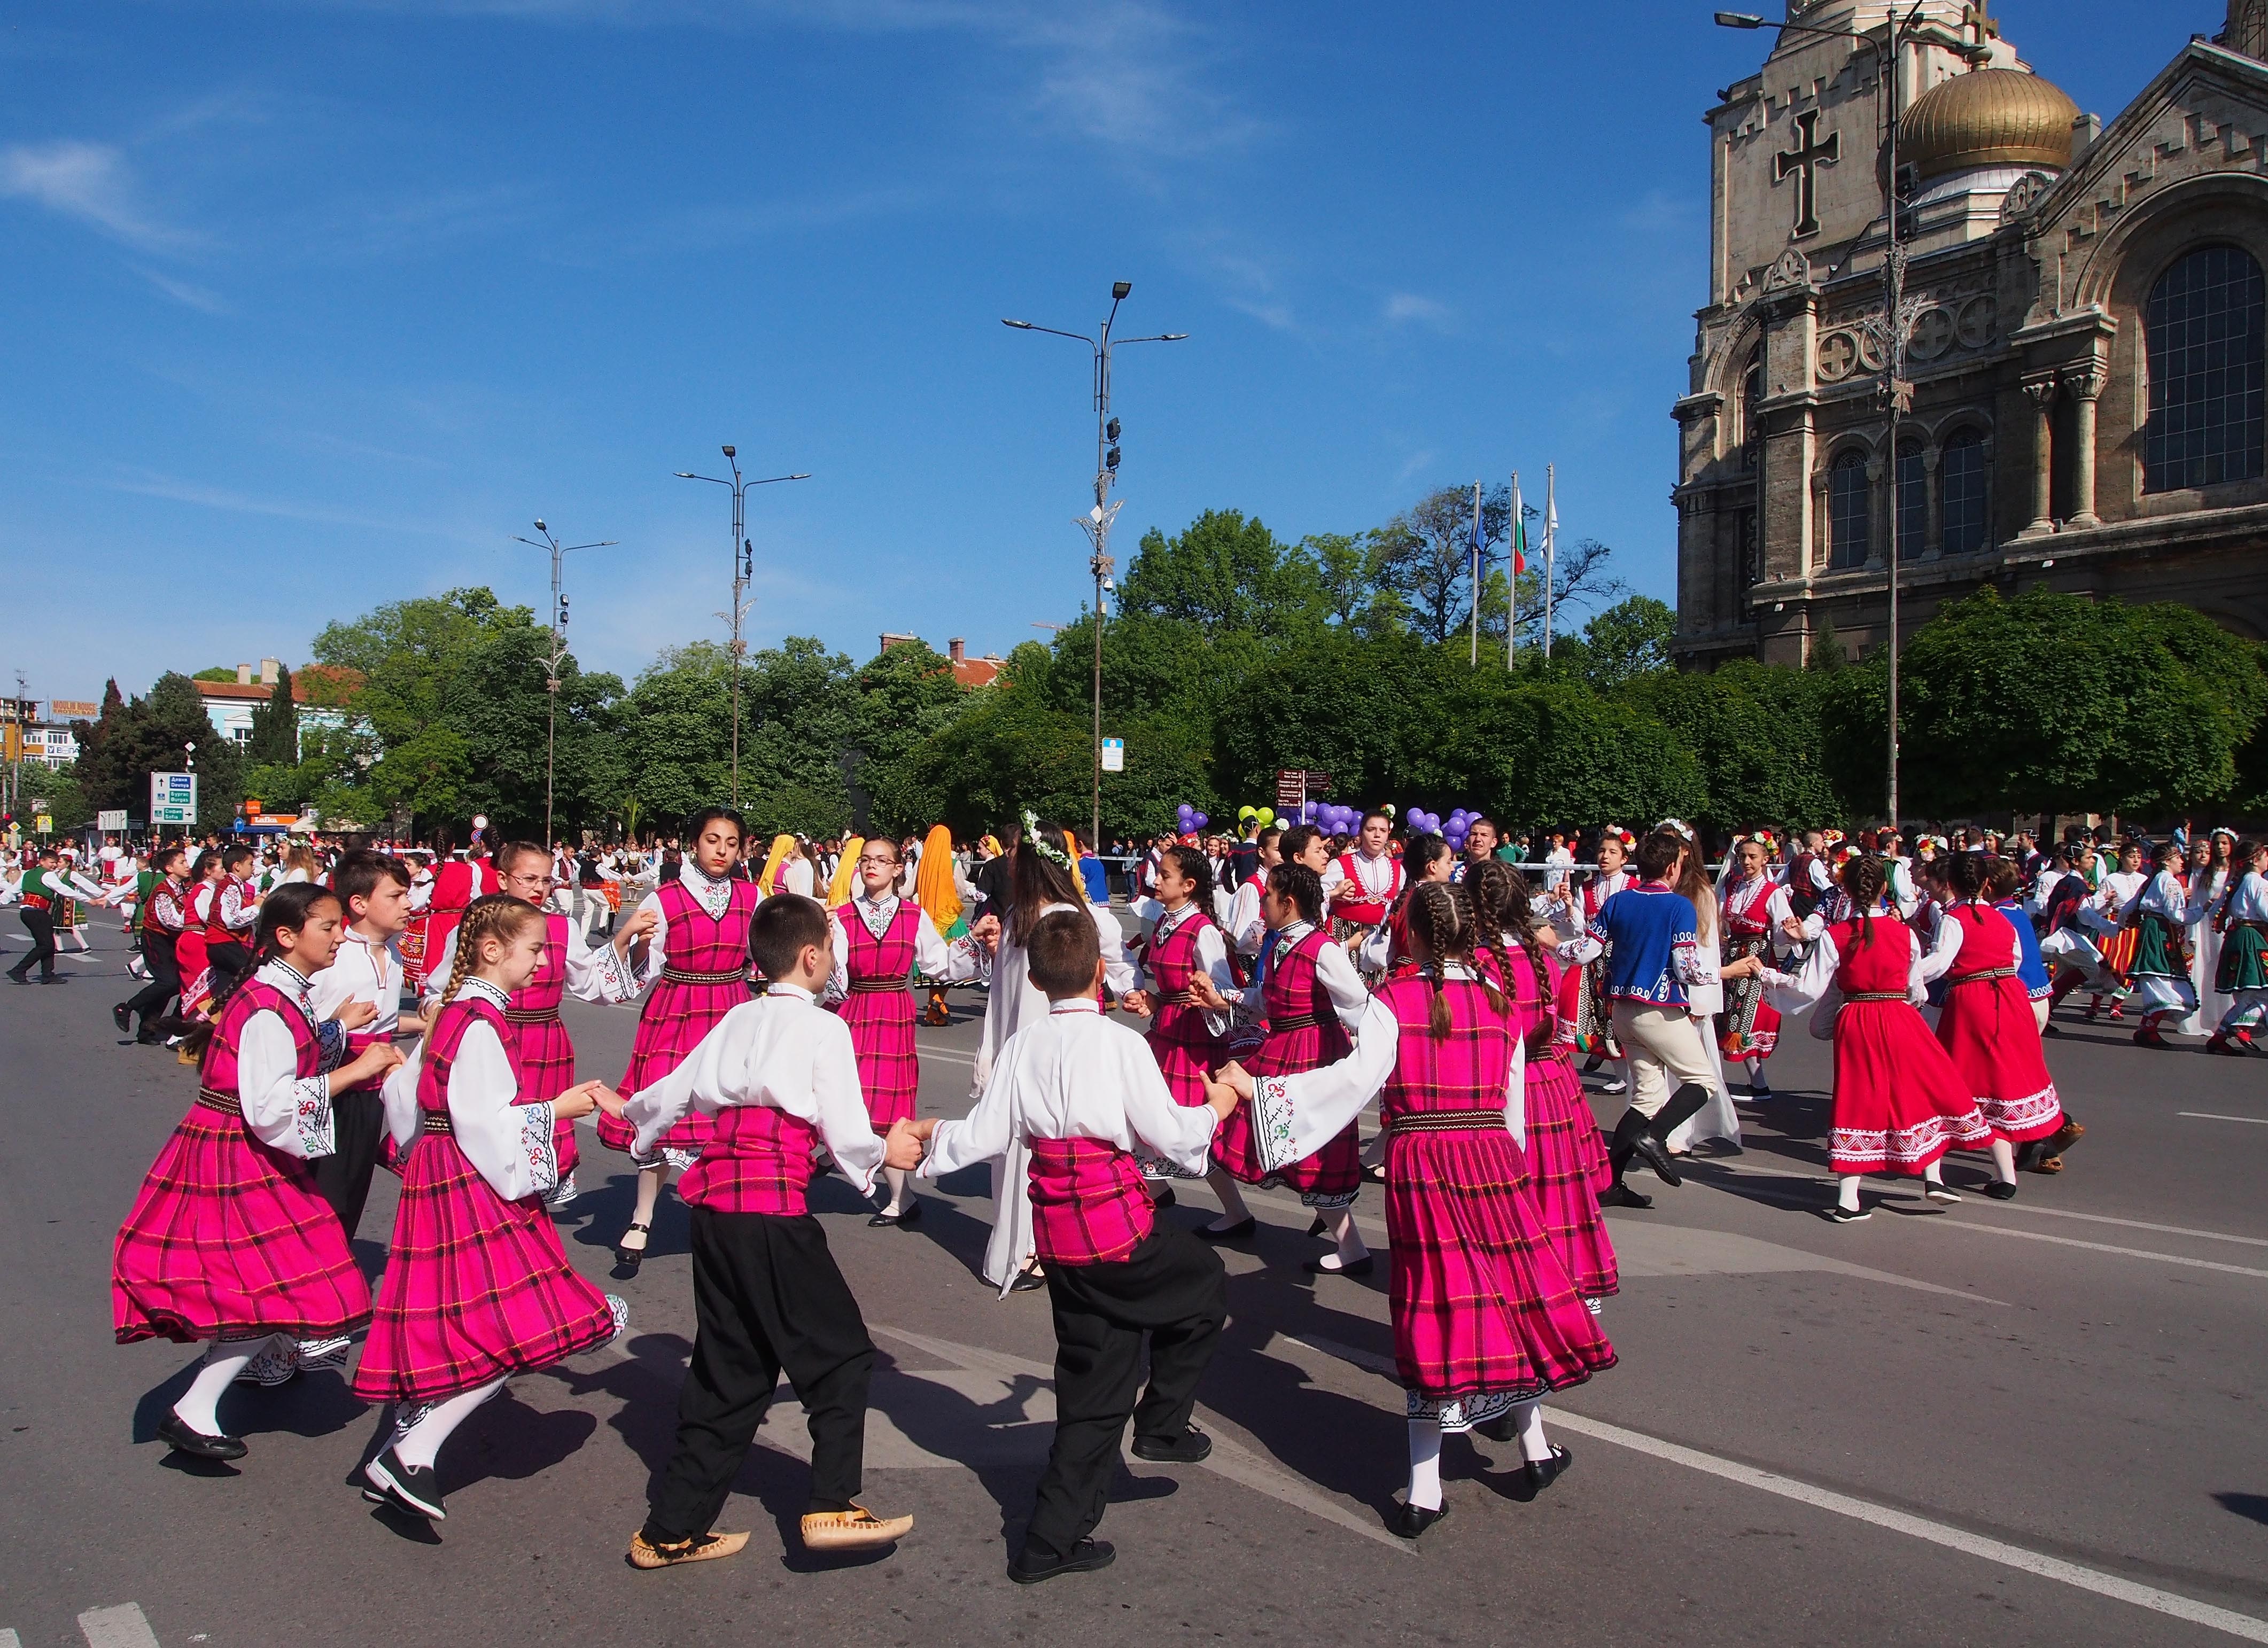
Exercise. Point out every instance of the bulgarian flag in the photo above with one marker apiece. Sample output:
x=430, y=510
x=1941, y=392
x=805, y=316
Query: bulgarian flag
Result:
x=1517, y=533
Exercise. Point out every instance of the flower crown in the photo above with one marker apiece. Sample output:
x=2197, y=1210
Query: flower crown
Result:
x=1040, y=845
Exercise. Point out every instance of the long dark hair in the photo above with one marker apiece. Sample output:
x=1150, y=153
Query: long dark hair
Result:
x=286, y=910
x=1441, y=917
x=1293, y=880
x=1863, y=877
x=1035, y=882
x=1501, y=901
x=1196, y=869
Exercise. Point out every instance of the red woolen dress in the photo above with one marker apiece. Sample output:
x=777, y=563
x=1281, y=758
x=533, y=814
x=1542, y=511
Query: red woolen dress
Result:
x=1986, y=1026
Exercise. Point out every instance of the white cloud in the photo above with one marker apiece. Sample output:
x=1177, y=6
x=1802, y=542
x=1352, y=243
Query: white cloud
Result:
x=88, y=181
x=1402, y=308
x=181, y=291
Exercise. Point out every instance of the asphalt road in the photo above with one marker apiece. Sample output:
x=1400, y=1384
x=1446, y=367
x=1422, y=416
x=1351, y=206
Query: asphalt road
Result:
x=2031, y=1422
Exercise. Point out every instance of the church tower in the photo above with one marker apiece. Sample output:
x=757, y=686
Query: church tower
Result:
x=2247, y=27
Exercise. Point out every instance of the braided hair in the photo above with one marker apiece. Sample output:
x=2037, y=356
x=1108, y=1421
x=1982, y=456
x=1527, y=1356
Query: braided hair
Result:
x=1965, y=874
x=1441, y=919
x=1295, y=882
x=493, y=915
x=1501, y=900
x=1195, y=869
x=1863, y=877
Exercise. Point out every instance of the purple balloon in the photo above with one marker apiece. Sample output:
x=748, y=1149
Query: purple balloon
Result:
x=1414, y=818
x=1199, y=819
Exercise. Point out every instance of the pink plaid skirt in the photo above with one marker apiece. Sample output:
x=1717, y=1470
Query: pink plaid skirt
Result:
x=883, y=1035
x=546, y=1068
x=1566, y=1170
x=476, y=1287
x=229, y=1239
x=1330, y=1177
x=1481, y=1302
x=676, y=1018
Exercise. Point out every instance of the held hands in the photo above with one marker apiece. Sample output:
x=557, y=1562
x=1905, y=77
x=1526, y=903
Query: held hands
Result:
x=986, y=931
x=1207, y=994
x=353, y=1015
x=584, y=1097
x=1235, y=1078
x=902, y=1145
x=1747, y=966
x=1138, y=1003
x=636, y=928
x=368, y=1065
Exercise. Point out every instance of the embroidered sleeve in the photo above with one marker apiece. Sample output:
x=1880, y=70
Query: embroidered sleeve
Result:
x=332, y=1038
x=1271, y=1124
x=538, y=1147
x=310, y=1119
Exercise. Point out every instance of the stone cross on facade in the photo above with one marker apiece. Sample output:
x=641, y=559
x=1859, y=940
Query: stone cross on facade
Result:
x=1802, y=163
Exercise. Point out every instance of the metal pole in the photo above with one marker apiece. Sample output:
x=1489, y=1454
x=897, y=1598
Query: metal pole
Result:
x=1101, y=565
x=1550, y=545
x=739, y=493
x=1512, y=539
x=551, y=691
x=1892, y=359
x=1475, y=661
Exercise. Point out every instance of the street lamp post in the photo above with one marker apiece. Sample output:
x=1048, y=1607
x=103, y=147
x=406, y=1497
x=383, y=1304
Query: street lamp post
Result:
x=1096, y=522
x=1896, y=393
x=559, y=553
x=744, y=568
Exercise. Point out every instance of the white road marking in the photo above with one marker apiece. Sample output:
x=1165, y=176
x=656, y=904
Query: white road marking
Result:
x=120, y=1627
x=9, y=1639
x=948, y=1056
x=2207, y=1115
x=2163, y=1230
x=1230, y=1459
x=2101, y=1247
x=2008, y=1556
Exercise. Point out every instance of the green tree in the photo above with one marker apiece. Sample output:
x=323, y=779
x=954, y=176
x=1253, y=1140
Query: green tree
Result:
x=1351, y=575
x=1755, y=731
x=905, y=697
x=275, y=737
x=1627, y=642
x=1364, y=712
x=1223, y=573
x=132, y=739
x=1547, y=754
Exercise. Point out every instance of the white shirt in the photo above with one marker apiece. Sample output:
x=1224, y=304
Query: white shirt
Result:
x=1014, y=1001
x=1294, y=1116
x=282, y=1107
x=368, y=970
x=1375, y=873
x=1333, y=970
x=1211, y=959
x=2249, y=900
x=1245, y=925
x=1813, y=982
x=1069, y=1073
x=2167, y=896
x=2120, y=890
x=933, y=957
x=784, y=1050
x=509, y=1144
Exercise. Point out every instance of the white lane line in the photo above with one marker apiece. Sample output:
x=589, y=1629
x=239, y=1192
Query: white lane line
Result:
x=120, y=1627
x=950, y=1058
x=2101, y=1247
x=2208, y=1115
x=1991, y=1550
x=2163, y=1230
x=9, y=1639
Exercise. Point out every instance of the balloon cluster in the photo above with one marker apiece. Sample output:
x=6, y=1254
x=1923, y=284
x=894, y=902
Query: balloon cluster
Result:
x=1334, y=820
x=1191, y=821
x=1452, y=829
x=1262, y=816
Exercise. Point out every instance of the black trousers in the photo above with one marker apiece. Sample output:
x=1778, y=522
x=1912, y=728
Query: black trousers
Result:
x=342, y=1177
x=231, y=963
x=164, y=977
x=42, y=925
x=767, y=1296
x=1173, y=1289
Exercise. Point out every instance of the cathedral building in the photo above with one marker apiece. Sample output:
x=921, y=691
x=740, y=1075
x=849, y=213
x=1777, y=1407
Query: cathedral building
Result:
x=2084, y=325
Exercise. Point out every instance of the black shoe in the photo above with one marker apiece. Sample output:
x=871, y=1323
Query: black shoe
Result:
x=148, y=1038
x=1027, y=1282
x=882, y=1217
x=1543, y=1473
x=1085, y=1557
x=416, y=1492
x=1165, y=1198
x=1622, y=1195
x=1415, y=1519
x=17, y=978
x=122, y=1016
x=1191, y=1448
x=1840, y=1215
x=176, y=1434
x=628, y=1259
x=1938, y=1190
x=911, y=1214
x=2000, y=1191
x=1655, y=1154
x=1363, y=1266
x=1237, y=1231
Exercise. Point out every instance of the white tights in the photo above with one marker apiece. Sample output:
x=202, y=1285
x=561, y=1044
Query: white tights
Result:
x=199, y=1408
x=418, y=1443
x=1426, y=1451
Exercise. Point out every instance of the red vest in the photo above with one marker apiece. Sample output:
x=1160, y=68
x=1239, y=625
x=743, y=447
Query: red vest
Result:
x=1371, y=912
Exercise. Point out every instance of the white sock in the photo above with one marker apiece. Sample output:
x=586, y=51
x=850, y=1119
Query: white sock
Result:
x=1349, y=1238
x=1425, y=1464
x=200, y=1404
x=1934, y=1173
x=1846, y=1191
x=1533, y=1444
x=2004, y=1161
x=419, y=1446
x=1233, y=1210
x=897, y=1177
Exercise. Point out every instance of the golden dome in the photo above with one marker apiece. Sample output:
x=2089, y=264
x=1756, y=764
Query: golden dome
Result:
x=1988, y=117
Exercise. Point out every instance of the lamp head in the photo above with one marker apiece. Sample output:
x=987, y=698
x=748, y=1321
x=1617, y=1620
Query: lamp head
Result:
x=685, y=474
x=1738, y=20
x=539, y=526
x=1020, y=326
x=1171, y=337
x=731, y=452
x=1119, y=288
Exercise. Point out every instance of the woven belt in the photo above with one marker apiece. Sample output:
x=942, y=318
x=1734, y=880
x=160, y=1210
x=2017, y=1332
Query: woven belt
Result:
x=1298, y=1021
x=877, y=987
x=685, y=975
x=1985, y=975
x=436, y=1122
x=34, y=901
x=1448, y=1121
x=227, y=1104
x=1876, y=995
x=531, y=1015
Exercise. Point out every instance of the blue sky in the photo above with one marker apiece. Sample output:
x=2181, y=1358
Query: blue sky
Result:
x=313, y=306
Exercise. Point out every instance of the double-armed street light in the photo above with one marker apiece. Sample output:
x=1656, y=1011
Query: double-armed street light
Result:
x=1096, y=522
x=744, y=569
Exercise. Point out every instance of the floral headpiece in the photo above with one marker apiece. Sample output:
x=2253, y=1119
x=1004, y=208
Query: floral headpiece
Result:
x=1616, y=832
x=1678, y=825
x=1040, y=843
x=1763, y=838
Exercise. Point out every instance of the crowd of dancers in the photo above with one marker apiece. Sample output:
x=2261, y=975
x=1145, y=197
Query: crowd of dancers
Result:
x=1288, y=983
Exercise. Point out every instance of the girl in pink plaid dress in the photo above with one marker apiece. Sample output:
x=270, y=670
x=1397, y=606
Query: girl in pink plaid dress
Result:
x=882, y=939
x=230, y=1241
x=1311, y=998
x=696, y=944
x=476, y=1287
x=1188, y=1036
x=1486, y=1320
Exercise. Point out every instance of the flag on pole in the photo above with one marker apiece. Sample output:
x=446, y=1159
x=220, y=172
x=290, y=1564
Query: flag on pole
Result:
x=1518, y=531
x=1550, y=545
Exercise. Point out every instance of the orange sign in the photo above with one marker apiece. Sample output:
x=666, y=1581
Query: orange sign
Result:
x=74, y=708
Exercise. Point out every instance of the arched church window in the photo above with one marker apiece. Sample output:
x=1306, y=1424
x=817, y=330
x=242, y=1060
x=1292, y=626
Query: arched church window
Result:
x=1913, y=502
x=2204, y=332
x=1960, y=493
x=1847, y=512
x=1752, y=426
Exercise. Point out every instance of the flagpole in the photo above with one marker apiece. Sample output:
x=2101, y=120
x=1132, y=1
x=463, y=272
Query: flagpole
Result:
x=1512, y=573
x=1550, y=545
x=1477, y=574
